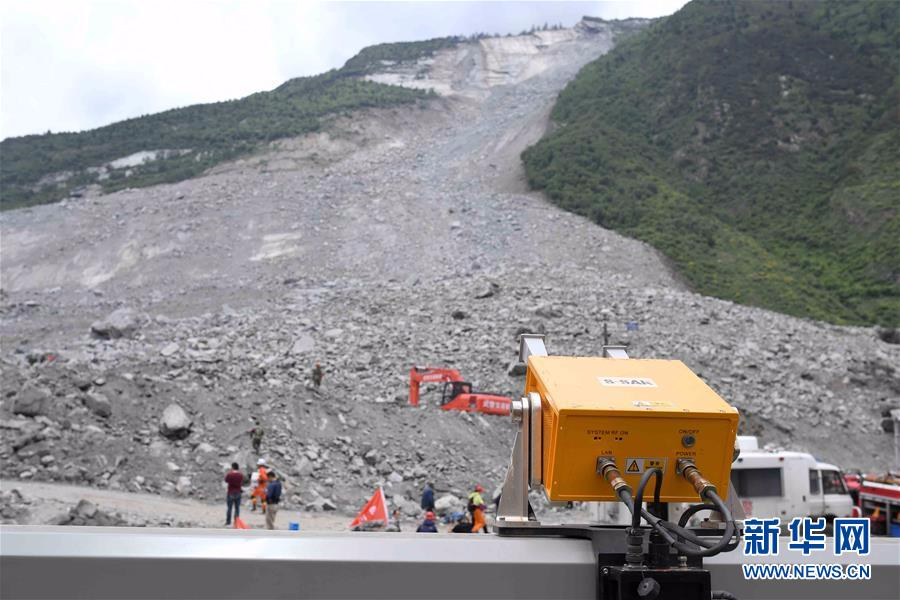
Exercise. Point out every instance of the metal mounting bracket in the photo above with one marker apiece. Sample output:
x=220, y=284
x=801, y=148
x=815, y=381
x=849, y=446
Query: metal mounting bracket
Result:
x=614, y=352
x=525, y=464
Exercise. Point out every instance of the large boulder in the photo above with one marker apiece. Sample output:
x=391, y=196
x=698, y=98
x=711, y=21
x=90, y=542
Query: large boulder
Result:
x=175, y=423
x=303, y=343
x=98, y=403
x=447, y=503
x=31, y=401
x=487, y=289
x=122, y=323
x=183, y=486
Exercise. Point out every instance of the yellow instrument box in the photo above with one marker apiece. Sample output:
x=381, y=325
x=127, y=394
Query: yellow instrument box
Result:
x=641, y=413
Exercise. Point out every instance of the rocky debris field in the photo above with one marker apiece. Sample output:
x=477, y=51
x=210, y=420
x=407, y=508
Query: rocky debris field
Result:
x=142, y=331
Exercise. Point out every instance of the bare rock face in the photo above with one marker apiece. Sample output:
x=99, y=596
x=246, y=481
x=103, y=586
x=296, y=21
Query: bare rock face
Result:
x=32, y=401
x=122, y=323
x=175, y=423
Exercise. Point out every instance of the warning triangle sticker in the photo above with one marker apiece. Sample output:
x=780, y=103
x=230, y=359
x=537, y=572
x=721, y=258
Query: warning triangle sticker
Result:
x=633, y=467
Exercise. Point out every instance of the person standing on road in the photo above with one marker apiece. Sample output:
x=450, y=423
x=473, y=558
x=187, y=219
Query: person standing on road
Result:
x=273, y=498
x=235, y=479
x=476, y=507
x=317, y=375
x=428, y=497
x=427, y=525
x=259, y=492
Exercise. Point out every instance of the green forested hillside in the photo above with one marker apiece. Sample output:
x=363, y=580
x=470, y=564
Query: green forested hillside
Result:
x=200, y=136
x=371, y=56
x=755, y=144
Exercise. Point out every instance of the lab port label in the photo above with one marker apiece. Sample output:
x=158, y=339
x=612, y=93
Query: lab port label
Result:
x=637, y=466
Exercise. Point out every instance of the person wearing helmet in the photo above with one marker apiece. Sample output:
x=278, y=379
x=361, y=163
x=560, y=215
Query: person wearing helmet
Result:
x=476, y=507
x=427, y=525
x=262, y=480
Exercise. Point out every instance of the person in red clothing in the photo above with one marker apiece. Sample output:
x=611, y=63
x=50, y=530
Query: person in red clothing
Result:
x=235, y=479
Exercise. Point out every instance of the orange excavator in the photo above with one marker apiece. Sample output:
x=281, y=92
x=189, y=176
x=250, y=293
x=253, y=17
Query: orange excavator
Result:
x=456, y=393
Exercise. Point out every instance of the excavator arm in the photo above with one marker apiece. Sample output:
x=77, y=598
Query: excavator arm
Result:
x=418, y=375
x=459, y=396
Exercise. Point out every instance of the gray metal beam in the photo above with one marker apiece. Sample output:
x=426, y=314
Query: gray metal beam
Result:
x=725, y=571
x=97, y=562
x=109, y=562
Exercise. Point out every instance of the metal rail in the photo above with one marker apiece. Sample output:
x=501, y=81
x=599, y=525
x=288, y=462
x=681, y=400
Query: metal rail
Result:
x=98, y=562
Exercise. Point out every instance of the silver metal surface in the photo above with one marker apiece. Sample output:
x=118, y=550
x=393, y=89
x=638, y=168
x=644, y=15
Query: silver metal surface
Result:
x=128, y=563
x=726, y=573
x=513, y=509
x=515, y=410
x=536, y=450
x=131, y=563
x=614, y=352
x=531, y=344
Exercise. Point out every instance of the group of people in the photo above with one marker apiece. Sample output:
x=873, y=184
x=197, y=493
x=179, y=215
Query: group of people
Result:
x=474, y=522
x=257, y=433
x=266, y=491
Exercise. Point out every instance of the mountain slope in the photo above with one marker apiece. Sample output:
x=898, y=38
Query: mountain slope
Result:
x=753, y=143
x=184, y=142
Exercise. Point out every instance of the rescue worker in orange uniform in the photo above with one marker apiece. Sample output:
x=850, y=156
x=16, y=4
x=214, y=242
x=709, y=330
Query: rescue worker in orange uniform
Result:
x=259, y=492
x=476, y=507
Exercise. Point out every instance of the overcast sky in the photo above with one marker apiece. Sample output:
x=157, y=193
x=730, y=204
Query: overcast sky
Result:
x=68, y=65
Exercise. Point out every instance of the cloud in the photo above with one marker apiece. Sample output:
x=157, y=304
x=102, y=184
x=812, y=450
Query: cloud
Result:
x=67, y=66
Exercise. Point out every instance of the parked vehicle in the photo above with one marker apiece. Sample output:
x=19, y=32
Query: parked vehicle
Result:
x=879, y=499
x=788, y=484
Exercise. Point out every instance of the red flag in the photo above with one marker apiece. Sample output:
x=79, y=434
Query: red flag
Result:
x=374, y=510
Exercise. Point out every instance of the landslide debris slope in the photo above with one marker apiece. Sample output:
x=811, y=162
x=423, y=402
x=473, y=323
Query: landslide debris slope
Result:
x=756, y=144
x=393, y=237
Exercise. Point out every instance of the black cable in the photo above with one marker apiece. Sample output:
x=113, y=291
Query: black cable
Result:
x=683, y=540
x=690, y=512
x=724, y=542
x=639, y=499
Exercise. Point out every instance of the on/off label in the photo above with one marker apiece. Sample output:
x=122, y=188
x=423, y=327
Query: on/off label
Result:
x=636, y=466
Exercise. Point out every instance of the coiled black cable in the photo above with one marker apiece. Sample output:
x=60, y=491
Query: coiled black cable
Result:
x=678, y=535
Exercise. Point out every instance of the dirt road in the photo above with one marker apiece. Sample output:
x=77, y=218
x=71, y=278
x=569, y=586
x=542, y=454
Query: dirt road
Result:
x=50, y=499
